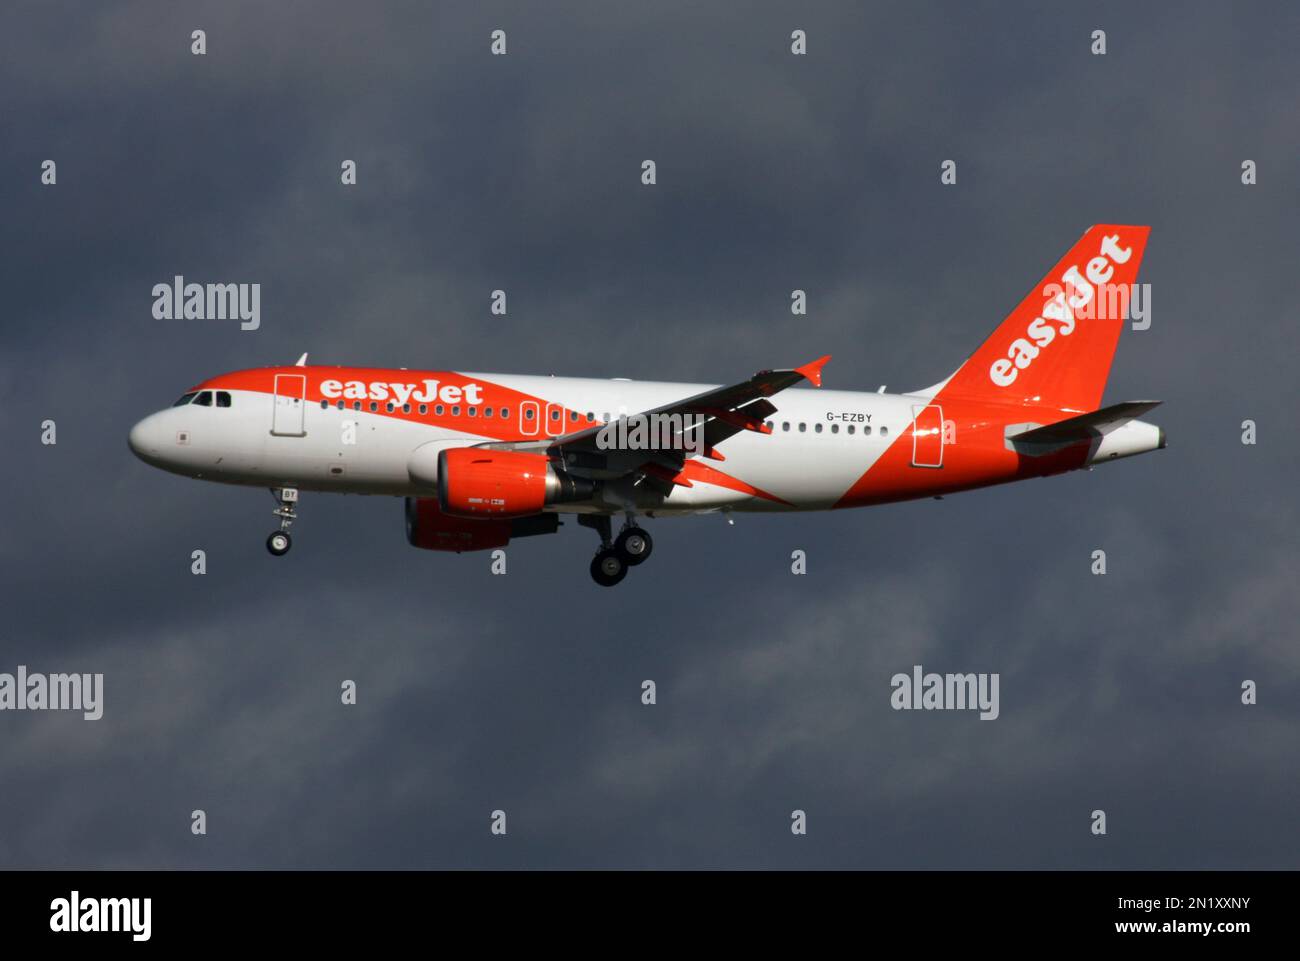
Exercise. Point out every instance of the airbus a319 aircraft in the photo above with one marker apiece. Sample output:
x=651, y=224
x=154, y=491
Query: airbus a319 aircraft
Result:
x=482, y=458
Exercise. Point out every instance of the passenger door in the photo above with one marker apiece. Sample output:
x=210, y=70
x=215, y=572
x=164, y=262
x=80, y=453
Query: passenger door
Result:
x=288, y=416
x=927, y=436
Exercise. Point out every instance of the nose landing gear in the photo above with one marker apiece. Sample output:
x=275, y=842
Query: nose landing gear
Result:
x=286, y=498
x=612, y=560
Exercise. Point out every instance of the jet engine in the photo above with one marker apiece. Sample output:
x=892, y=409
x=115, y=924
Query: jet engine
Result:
x=428, y=527
x=476, y=482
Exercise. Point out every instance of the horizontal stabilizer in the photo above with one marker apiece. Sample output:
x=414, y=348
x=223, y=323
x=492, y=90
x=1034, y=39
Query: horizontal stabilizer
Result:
x=1084, y=427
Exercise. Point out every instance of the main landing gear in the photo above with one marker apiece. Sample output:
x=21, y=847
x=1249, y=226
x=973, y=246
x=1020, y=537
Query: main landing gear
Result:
x=286, y=499
x=614, y=557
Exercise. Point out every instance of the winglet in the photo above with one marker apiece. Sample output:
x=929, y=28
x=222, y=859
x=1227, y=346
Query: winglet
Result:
x=813, y=371
x=302, y=361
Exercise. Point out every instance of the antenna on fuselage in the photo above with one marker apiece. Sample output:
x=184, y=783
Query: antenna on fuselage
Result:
x=302, y=361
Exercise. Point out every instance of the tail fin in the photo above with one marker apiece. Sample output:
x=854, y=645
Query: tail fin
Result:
x=1056, y=347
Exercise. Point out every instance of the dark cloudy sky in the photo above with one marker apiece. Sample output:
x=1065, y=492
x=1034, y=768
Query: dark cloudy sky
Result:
x=521, y=692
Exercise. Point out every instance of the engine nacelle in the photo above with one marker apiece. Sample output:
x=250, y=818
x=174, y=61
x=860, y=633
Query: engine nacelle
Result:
x=480, y=483
x=428, y=527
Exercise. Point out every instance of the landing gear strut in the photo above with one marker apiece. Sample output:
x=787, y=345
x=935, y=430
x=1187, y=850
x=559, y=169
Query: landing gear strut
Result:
x=612, y=560
x=286, y=499
x=608, y=567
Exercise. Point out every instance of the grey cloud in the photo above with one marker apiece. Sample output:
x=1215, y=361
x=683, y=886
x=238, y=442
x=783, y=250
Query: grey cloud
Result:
x=521, y=692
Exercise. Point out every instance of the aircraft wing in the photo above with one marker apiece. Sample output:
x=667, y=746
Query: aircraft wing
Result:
x=692, y=425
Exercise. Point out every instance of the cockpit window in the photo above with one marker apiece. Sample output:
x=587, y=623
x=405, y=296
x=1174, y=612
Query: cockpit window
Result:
x=186, y=398
x=223, y=398
x=204, y=399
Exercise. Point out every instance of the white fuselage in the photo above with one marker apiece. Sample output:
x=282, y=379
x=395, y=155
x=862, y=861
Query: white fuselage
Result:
x=808, y=461
x=381, y=431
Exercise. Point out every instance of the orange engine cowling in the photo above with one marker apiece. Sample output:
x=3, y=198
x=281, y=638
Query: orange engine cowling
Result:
x=481, y=483
x=428, y=527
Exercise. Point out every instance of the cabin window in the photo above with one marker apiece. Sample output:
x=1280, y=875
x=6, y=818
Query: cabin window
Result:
x=424, y=408
x=406, y=408
x=505, y=413
x=835, y=428
x=438, y=410
x=389, y=407
x=528, y=414
x=455, y=411
x=374, y=406
x=852, y=429
x=802, y=427
x=817, y=427
x=472, y=411
x=785, y=425
x=884, y=431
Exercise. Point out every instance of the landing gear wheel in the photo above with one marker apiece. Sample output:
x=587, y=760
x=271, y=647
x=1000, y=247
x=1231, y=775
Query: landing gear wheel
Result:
x=608, y=567
x=286, y=500
x=634, y=545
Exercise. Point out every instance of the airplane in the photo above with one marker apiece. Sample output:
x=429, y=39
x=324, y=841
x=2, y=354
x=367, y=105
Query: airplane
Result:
x=484, y=458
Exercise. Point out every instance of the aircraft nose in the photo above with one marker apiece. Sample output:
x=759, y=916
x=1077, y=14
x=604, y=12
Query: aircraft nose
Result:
x=145, y=439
